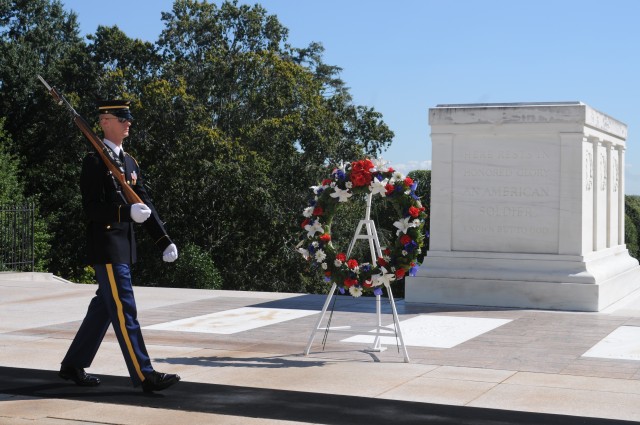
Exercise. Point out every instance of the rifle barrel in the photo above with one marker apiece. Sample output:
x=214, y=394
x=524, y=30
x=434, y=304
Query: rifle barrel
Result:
x=130, y=195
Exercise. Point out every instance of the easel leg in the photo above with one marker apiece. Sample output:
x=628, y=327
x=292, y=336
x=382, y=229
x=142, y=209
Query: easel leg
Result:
x=317, y=326
x=396, y=324
x=377, y=343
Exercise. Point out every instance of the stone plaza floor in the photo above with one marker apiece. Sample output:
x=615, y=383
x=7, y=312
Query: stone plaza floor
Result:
x=241, y=359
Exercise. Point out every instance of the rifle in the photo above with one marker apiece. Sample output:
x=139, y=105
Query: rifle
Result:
x=97, y=143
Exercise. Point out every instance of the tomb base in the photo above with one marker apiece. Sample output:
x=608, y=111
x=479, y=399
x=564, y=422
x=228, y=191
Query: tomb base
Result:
x=556, y=282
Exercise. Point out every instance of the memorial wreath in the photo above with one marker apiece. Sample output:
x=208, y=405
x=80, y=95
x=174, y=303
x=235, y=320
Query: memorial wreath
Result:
x=373, y=177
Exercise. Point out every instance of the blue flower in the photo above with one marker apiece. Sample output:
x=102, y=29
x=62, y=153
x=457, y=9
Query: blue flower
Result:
x=413, y=187
x=377, y=291
x=339, y=174
x=413, y=270
x=411, y=246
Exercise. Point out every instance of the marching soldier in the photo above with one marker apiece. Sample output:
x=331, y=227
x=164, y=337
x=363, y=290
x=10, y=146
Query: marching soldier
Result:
x=111, y=251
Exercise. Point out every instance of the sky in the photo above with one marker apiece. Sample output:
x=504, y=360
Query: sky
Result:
x=403, y=57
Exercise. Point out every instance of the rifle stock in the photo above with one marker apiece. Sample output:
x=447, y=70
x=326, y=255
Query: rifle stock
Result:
x=97, y=143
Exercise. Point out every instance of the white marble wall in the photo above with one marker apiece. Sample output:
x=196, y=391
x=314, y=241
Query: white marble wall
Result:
x=527, y=208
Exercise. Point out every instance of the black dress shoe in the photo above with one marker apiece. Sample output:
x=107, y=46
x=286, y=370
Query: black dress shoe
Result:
x=79, y=376
x=156, y=381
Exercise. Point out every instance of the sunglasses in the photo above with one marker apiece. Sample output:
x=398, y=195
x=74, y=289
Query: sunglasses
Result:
x=121, y=120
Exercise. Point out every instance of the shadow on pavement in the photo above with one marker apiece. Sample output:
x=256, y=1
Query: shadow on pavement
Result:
x=273, y=404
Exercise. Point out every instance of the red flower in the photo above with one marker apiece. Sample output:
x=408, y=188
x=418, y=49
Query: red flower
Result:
x=390, y=170
x=350, y=282
x=386, y=251
x=405, y=239
x=327, y=273
x=415, y=212
x=318, y=211
x=325, y=237
x=352, y=264
x=305, y=222
x=390, y=188
x=326, y=182
x=367, y=284
x=382, y=262
x=408, y=181
x=400, y=273
x=341, y=256
x=360, y=174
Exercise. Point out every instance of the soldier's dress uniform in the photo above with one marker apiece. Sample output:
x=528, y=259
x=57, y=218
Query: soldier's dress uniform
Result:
x=111, y=251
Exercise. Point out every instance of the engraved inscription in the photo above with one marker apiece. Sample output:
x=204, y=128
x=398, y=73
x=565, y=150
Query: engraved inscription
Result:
x=505, y=196
x=507, y=229
x=513, y=211
x=507, y=191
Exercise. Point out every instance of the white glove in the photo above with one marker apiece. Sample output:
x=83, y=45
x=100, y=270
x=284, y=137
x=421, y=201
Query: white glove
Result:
x=140, y=212
x=170, y=253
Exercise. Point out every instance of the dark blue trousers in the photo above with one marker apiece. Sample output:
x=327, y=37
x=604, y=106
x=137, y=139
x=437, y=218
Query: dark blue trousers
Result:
x=114, y=304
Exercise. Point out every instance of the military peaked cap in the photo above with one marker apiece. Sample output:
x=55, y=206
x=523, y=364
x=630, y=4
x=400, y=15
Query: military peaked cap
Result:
x=119, y=108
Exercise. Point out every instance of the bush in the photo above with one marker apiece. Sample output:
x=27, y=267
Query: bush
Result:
x=194, y=268
x=631, y=224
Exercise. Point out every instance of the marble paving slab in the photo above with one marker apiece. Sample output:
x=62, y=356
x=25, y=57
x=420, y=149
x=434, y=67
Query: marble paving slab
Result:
x=436, y=331
x=623, y=343
x=233, y=321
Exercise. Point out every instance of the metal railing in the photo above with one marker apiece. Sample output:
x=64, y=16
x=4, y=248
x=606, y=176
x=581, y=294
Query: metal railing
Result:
x=16, y=237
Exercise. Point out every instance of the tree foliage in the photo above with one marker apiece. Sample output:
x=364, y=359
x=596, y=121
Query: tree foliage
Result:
x=233, y=124
x=12, y=196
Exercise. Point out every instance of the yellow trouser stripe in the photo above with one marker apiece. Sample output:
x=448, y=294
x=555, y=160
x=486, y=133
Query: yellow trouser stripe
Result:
x=123, y=326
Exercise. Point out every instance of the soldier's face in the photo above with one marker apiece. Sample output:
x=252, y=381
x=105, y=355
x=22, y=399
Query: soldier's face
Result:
x=113, y=126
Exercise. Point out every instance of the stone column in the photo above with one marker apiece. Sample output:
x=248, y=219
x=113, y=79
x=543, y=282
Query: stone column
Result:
x=527, y=208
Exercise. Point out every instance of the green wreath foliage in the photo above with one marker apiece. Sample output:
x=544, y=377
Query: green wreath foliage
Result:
x=367, y=177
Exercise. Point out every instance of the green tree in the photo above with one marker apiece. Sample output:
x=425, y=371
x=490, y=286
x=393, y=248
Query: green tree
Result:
x=12, y=195
x=632, y=224
x=232, y=127
x=39, y=37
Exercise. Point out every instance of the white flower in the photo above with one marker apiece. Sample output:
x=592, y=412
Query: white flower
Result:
x=320, y=256
x=355, y=291
x=324, y=266
x=398, y=176
x=308, y=212
x=315, y=244
x=403, y=225
x=380, y=165
x=378, y=187
x=304, y=253
x=383, y=278
x=337, y=263
x=348, y=185
x=342, y=195
x=404, y=253
x=313, y=228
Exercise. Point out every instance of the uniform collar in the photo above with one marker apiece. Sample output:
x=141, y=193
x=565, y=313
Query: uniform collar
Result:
x=115, y=148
